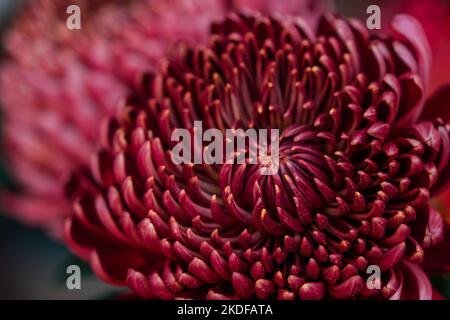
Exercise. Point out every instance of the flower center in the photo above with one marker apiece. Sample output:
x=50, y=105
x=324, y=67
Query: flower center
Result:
x=284, y=202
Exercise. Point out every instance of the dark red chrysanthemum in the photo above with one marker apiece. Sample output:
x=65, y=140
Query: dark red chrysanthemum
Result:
x=359, y=161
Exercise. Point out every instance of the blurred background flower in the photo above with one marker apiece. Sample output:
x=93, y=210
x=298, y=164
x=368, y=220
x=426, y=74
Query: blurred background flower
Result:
x=56, y=86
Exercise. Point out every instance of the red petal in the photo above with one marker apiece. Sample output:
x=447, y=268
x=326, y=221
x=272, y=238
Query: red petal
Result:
x=434, y=232
x=112, y=264
x=438, y=105
x=346, y=289
x=412, y=99
x=80, y=242
x=416, y=285
x=437, y=258
x=410, y=30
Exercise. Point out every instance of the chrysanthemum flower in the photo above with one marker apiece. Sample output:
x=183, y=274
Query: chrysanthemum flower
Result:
x=57, y=84
x=361, y=154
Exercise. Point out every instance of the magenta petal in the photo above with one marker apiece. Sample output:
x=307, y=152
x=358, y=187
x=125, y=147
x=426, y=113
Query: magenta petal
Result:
x=412, y=99
x=437, y=258
x=434, y=232
x=437, y=295
x=110, y=263
x=347, y=288
x=429, y=135
x=438, y=105
x=436, y=137
x=139, y=283
x=443, y=181
x=416, y=285
x=75, y=239
x=408, y=28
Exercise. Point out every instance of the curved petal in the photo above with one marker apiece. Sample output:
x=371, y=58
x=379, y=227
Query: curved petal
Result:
x=416, y=285
x=409, y=29
x=112, y=264
x=109, y=260
x=438, y=105
x=437, y=258
x=79, y=242
x=434, y=233
x=395, y=284
x=436, y=137
x=442, y=162
x=412, y=99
